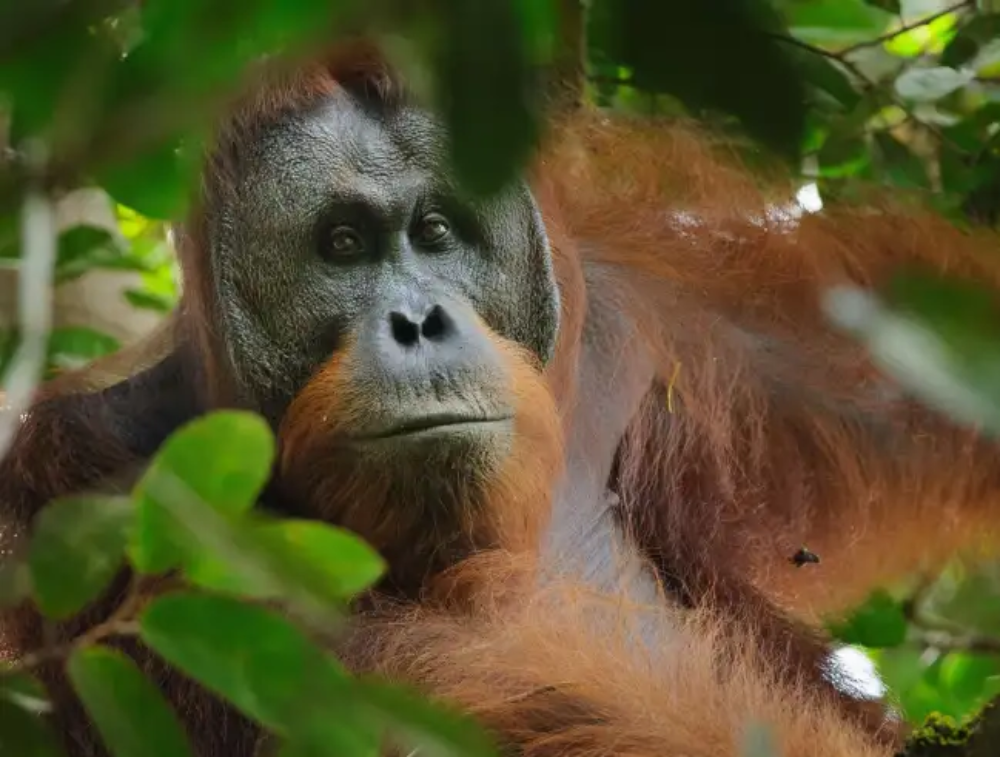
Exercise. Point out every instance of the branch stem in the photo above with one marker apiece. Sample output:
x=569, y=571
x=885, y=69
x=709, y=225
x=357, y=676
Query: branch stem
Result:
x=905, y=28
x=34, y=307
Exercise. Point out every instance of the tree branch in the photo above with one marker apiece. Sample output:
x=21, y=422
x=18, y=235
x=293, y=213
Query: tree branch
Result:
x=943, y=634
x=955, y=642
x=926, y=21
x=866, y=82
x=838, y=57
x=34, y=300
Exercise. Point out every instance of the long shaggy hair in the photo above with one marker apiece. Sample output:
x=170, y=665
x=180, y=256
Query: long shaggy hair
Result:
x=567, y=671
x=766, y=430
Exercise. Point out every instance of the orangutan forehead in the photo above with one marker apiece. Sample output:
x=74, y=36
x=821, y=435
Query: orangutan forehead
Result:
x=359, y=70
x=341, y=154
x=351, y=109
x=345, y=135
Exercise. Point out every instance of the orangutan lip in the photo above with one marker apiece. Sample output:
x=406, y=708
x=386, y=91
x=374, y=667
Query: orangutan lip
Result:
x=432, y=423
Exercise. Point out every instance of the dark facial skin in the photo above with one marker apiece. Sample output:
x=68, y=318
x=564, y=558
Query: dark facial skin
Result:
x=345, y=229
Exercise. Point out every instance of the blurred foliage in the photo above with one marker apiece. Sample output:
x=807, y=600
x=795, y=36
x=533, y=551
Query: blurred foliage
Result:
x=140, y=246
x=193, y=512
x=120, y=94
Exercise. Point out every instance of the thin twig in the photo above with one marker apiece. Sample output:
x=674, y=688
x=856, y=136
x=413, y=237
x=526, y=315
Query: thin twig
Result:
x=950, y=642
x=34, y=294
x=60, y=652
x=926, y=21
x=941, y=633
x=122, y=622
x=869, y=85
x=838, y=57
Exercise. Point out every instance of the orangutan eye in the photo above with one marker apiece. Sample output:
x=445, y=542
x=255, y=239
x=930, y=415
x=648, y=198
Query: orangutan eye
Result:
x=344, y=242
x=433, y=229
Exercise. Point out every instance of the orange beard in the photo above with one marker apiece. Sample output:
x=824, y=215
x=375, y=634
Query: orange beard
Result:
x=425, y=514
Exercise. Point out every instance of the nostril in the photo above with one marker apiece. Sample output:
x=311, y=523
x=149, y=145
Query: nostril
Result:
x=404, y=331
x=436, y=325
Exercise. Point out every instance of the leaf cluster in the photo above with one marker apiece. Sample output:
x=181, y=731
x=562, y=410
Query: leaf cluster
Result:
x=252, y=599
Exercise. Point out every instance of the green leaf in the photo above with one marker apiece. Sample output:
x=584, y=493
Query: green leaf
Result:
x=892, y=6
x=925, y=697
x=987, y=115
x=842, y=154
x=223, y=555
x=916, y=678
x=925, y=39
x=981, y=205
x=169, y=24
x=250, y=655
x=130, y=713
x=149, y=301
x=901, y=668
x=157, y=182
x=219, y=461
x=967, y=136
x=224, y=457
x=879, y=622
x=431, y=728
x=23, y=702
x=268, y=24
x=823, y=75
x=342, y=563
x=843, y=22
x=487, y=91
x=190, y=54
x=931, y=84
x=970, y=679
x=937, y=337
x=25, y=691
x=24, y=734
x=327, y=561
x=961, y=175
x=207, y=46
x=714, y=57
x=37, y=79
x=310, y=567
x=970, y=599
x=83, y=248
x=74, y=346
x=77, y=547
x=971, y=37
x=902, y=167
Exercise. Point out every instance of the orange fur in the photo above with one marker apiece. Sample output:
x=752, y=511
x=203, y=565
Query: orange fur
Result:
x=492, y=503
x=558, y=672
x=782, y=432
